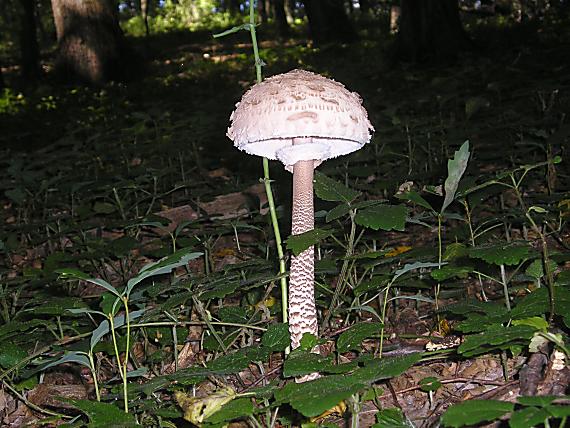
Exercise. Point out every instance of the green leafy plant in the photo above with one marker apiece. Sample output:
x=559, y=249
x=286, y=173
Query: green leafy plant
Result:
x=114, y=322
x=139, y=266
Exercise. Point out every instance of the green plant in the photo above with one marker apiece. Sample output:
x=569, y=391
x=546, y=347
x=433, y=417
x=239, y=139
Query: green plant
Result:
x=93, y=192
x=11, y=103
x=258, y=63
x=113, y=321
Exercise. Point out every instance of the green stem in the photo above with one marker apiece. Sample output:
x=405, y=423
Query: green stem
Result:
x=278, y=242
x=94, y=374
x=266, y=179
x=254, y=41
x=439, y=260
x=355, y=404
x=384, y=305
x=546, y=263
x=202, y=311
x=344, y=269
x=118, y=356
x=126, y=362
x=505, y=287
x=119, y=203
x=472, y=238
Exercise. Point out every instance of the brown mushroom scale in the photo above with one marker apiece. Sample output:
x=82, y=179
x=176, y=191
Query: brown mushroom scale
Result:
x=301, y=119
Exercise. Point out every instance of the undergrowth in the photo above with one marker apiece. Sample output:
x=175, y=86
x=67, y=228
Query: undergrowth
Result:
x=139, y=266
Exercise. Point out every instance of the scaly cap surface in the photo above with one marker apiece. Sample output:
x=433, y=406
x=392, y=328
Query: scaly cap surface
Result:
x=329, y=119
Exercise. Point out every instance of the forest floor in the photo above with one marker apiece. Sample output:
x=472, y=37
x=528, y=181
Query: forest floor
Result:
x=89, y=175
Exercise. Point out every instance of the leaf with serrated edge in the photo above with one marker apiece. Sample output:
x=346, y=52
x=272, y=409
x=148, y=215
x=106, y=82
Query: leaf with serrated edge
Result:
x=276, y=337
x=313, y=398
x=299, y=243
x=331, y=190
x=104, y=415
x=352, y=338
x=501, y=254
x=528, y=417
x=385, y=217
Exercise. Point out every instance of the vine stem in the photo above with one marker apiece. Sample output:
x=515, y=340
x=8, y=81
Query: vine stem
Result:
x=278, y=242
x=266, y=179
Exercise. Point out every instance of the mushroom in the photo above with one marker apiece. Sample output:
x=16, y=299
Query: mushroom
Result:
x=301, y=119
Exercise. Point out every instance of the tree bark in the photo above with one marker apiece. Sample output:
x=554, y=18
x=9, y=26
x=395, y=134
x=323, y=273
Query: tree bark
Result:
x=395, y=13
x=290, y=11
x=91, y=46
x=29, y=48
x=262, y=11
x=430, y=29
x=328, y=21
x=144, y=14
x=281, y=18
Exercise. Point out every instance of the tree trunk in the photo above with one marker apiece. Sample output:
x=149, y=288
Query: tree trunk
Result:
x=328, y=21
x=395, y=13
x=262, y=11
x=144, y=14
x=2, y=85
x=29, y=49
x=430, y=29
x=90, y=42
x=290, y=11
x=281, y=18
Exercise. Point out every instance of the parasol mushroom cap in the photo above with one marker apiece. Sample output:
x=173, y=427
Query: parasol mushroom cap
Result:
x=299, y=115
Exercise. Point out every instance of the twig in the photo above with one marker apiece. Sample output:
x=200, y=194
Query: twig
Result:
x=454, y=380
x=265, y=376
x=32, y=405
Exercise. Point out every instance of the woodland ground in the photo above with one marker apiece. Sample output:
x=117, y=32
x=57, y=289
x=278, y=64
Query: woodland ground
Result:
x=82, y=167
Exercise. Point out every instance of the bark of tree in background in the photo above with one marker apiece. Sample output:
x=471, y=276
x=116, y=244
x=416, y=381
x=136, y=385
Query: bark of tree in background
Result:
x=430, y=29
x=290, y=11
x=144, y=14
x=29, y=49
x=262, y=11
x=328, y=21
x=395, y=13
x=91, y=46
x=280, y=18
x=1, y=78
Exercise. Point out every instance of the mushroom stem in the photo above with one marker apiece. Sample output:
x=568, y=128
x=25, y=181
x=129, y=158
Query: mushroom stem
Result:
x=302, y=308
